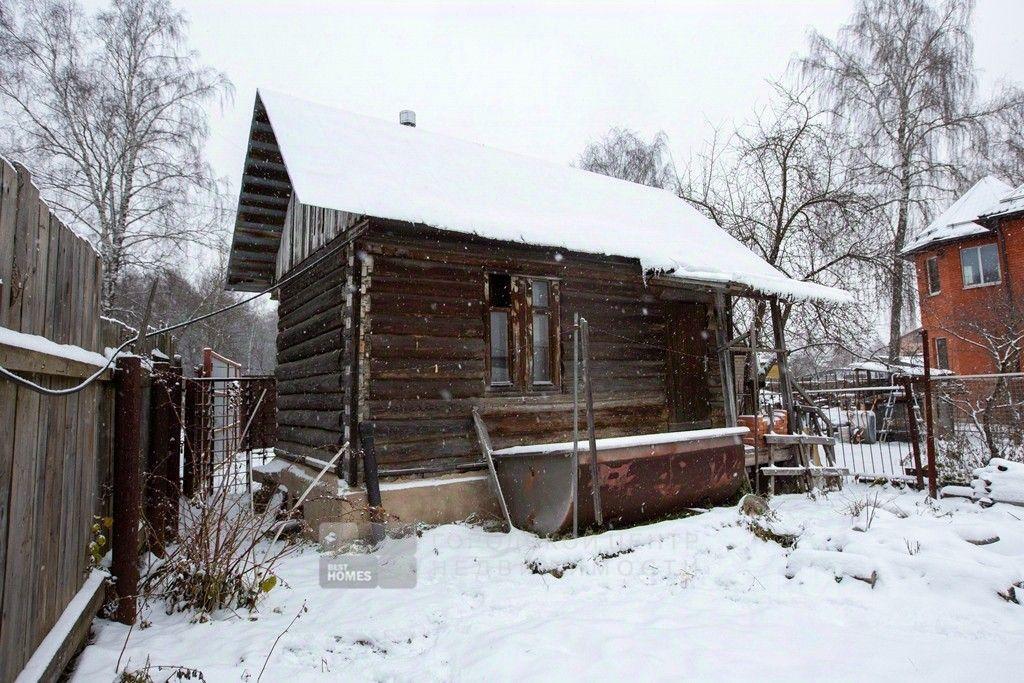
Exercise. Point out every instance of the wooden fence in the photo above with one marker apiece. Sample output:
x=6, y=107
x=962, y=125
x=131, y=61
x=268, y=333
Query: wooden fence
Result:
x=54, y=451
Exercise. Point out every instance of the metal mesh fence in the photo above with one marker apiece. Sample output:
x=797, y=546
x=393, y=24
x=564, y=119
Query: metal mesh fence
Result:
x=977, y=418
x=871, y=424
x=230, y=429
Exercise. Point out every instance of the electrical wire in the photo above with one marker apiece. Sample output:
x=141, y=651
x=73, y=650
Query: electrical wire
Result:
x=48, y=391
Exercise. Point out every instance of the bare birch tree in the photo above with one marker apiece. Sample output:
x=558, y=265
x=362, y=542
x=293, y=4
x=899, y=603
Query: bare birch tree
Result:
x=109, y=112
x=901, y=78
x=781, y=185
x=623, y=154
x=1002, y=153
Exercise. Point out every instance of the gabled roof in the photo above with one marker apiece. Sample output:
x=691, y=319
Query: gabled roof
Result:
x=1012, y=203
x=959, y=220
x=338, y=160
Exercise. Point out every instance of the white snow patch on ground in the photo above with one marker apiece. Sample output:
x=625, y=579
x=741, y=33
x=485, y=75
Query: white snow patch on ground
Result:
x=699, y=598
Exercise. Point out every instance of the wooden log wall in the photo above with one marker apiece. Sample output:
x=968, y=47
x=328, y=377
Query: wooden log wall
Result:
x=311, y=359
x=425, y=342
x=52, y=449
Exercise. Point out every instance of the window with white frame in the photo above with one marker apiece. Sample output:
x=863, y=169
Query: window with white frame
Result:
x=980, y=265
x=941, y=353
x=932, y=269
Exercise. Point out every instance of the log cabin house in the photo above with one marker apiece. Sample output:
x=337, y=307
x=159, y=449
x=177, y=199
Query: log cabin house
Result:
x=424, y=276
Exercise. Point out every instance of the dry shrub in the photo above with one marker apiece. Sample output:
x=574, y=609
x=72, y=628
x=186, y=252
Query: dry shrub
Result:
x=222, y=557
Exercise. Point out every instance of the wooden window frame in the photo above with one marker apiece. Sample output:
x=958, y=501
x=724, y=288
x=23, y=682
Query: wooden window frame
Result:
x=981, y=270
x=931, y=264
x=520, y=336
x=510, y=333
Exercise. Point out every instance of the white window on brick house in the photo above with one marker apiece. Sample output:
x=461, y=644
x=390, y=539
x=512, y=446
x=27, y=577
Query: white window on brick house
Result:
x=941, y=353
x=932, y=269
x=980, y=265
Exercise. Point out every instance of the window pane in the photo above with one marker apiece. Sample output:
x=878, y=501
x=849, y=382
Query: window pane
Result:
x=989, y=263
x=942, y=354
x=499, y=348
x=540, y=294
x=541, y=347
x=971, y=266
x=933, y=275
x=499, y=289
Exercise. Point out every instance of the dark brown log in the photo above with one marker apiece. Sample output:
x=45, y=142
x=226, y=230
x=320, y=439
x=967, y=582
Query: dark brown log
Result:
x=331, y=383
x=426, y=347
x=312, y=400
x=322, y=364
x=431, y=325
x=312, y=346
x=316, y=419
x=322, y=322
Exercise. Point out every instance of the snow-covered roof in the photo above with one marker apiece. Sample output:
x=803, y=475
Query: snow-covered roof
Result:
x=1012, y=202
x=904, y=365
x=365, y=166
x=959, y=220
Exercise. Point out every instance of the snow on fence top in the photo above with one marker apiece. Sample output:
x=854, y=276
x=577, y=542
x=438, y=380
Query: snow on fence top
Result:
x=959, y=219
x=344, y=161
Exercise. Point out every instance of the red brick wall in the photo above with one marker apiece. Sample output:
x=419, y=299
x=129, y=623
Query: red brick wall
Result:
x=947, y=313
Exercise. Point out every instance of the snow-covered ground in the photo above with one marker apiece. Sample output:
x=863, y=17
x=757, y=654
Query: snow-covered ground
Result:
x=700, y=598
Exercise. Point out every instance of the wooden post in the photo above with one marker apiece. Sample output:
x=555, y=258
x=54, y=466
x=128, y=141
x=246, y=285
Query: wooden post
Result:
x=575, y=425
x=753, y=371
x=933, y=478
x=915, y=445
x=373, y=498
x=485, y=444
x=191, y=431
x=725, y=360
x=782, y=359
x=127, y=488
x=588, y=391
x=160, y=427
x=173, y=472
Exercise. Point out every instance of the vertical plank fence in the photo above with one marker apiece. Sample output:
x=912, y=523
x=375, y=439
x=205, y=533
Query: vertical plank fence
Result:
x=50, y=447
x=56, y=470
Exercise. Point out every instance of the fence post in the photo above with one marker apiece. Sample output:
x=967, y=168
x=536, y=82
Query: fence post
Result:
x=127, y=488
x=933, y=483
x=155, y=507
x=191, y=427
x=173, y=471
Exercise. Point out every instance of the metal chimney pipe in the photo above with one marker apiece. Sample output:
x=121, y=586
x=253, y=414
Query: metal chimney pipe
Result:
x=407, y=117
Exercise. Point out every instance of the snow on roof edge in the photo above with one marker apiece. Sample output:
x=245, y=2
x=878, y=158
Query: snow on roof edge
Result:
x=959, y=219
x=465, y=187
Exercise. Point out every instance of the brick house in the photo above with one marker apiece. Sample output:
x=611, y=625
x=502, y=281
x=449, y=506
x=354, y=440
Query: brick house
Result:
x=970, y=277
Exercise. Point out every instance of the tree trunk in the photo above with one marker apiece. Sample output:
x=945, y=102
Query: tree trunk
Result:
x=898, y=267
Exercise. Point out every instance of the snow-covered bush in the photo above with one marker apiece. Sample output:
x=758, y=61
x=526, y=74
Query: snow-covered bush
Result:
x=222, y=558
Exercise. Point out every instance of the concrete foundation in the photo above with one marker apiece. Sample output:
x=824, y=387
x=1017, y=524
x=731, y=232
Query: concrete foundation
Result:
x=439, y=499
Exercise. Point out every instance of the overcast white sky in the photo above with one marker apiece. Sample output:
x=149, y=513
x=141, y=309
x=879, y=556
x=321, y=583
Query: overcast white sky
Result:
x=540, y=78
